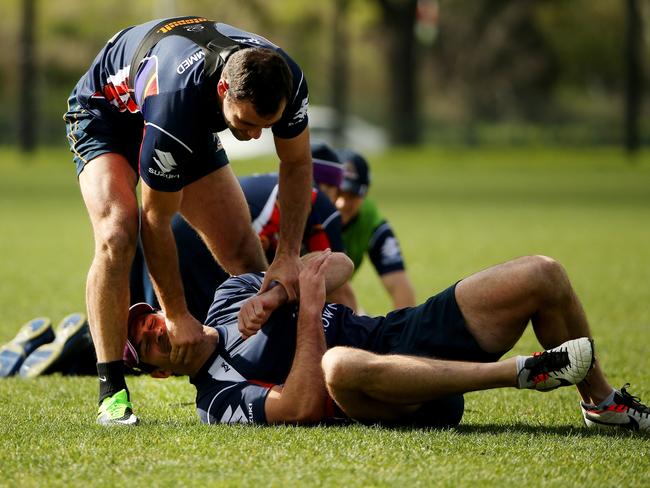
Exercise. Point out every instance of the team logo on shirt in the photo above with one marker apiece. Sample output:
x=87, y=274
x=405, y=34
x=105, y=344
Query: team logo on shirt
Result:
x=194, y=28
x=300, y=115
x=390, y=251
x=166, y=163
x=236, y=417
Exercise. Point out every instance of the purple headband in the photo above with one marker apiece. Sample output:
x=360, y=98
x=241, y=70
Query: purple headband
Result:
x=327, y=172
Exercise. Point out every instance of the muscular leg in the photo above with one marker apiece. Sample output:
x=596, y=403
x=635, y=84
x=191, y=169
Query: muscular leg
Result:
x=497, y=304
x=108, y=189
x=215, y=206
x=369, y=386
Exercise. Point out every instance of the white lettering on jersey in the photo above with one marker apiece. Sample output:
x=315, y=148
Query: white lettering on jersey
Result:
x=166, y=163
x=189, y=61
x=328, y=313
x=301, y=113
x=236, y=417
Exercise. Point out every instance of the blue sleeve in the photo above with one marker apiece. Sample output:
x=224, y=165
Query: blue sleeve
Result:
x=230, y=296
x=384, y=250
x=294, y=118
x=233, y=403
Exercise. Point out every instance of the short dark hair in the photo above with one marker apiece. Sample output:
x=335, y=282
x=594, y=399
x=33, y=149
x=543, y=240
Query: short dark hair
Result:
x=259, y=75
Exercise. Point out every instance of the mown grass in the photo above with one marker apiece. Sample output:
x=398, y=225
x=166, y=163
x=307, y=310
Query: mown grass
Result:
x=455, y=212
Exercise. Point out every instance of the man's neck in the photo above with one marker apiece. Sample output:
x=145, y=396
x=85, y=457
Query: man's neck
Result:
x=202, y=353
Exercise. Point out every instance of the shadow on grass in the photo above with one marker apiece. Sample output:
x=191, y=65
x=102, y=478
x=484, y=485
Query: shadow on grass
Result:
x=556, y=430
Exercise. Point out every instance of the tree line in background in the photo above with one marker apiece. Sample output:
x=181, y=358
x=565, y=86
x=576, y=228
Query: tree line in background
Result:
x=427, y=70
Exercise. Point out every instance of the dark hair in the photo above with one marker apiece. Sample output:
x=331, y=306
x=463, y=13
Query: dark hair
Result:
x=261, y=76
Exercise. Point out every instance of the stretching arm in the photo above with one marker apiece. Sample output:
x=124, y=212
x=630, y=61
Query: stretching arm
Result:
x=303, y=397
x=256, y=311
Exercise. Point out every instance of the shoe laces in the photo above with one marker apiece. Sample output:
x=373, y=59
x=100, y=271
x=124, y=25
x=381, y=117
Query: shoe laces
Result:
x=547, y=361
x=633, y=401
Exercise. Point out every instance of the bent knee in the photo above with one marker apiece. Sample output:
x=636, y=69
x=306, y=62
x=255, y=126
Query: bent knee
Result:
x=343, y=366
x=546, y=276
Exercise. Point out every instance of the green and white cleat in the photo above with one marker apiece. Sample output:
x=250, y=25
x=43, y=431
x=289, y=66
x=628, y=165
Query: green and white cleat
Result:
x=117, y=410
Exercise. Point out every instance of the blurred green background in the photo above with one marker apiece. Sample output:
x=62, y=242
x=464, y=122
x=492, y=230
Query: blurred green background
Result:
x=428, y=71
x=456, y=210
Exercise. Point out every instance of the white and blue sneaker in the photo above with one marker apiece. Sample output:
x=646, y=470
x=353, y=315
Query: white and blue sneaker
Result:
x=31, y=336
x=70, y=346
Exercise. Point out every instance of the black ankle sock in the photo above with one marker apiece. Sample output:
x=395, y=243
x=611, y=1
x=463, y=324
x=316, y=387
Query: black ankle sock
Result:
x=111, y=379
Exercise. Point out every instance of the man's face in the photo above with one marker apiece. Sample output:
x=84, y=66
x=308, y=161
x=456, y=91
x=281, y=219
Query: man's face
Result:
x=151, y=340
x=241, y=118
x=348, y=204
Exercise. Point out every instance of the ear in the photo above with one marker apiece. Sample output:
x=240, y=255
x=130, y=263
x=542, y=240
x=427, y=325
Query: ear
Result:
x=222, y=87
x=161, y=373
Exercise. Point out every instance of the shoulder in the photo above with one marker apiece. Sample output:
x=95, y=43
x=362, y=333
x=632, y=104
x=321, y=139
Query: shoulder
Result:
x=230, y=296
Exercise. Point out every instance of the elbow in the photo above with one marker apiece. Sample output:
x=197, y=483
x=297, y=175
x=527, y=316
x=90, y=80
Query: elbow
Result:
x=306, y=412
x=344, y=265
x=309, y=414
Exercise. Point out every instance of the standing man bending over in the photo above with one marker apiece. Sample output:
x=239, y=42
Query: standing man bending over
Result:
x=151, y=105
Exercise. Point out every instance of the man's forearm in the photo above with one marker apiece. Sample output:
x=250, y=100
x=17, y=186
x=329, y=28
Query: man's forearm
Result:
x=294, y=197
x=162, y=260
x=305, y=388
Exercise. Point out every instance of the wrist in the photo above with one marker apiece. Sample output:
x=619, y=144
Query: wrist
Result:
x=175, y=314
x=311, y=307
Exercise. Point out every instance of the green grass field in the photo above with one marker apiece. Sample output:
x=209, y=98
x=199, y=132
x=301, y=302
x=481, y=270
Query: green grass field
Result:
x=455, y=212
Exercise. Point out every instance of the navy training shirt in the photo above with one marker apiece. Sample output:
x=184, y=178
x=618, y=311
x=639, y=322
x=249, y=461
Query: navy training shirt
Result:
x=179, y=111
x=233, y=384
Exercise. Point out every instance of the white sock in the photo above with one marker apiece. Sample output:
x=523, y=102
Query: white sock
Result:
x=522, y=373
x=608, y=400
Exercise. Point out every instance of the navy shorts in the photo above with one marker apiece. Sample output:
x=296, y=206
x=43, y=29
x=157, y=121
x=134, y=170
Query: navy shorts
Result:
x=434, y=329
x=90, y=136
